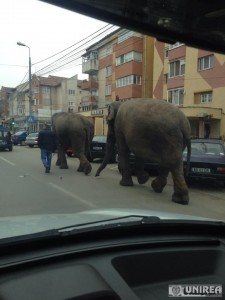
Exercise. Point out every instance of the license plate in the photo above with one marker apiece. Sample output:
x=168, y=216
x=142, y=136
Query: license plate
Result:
x=97, y=148
x=201, y=170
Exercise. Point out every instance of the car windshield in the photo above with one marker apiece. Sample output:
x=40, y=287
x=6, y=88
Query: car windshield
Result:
x=33, y=134
x=72, y=78
x=206, y=148
x=99, y=138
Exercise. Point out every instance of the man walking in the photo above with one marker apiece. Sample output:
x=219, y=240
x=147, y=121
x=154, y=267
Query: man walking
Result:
x=48, y=144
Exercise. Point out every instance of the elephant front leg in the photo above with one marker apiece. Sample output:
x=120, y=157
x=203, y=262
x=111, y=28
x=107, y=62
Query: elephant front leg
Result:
x=61, y=161
x=126, y=179
x=160, y=181
x=142, y=175
x=181, y=194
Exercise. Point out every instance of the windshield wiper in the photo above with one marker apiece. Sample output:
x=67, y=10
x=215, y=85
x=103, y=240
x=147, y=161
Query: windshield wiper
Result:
x=129, y=220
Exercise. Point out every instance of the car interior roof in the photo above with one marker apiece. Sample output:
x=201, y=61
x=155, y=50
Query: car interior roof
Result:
x=197, y=23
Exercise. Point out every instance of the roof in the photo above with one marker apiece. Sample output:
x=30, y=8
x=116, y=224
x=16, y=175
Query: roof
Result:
x=51, y=80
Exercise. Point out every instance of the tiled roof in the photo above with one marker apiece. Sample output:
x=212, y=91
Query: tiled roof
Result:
x=51, y=80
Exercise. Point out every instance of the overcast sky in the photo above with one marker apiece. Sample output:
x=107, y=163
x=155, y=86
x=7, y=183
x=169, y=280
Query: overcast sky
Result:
x=46, y=29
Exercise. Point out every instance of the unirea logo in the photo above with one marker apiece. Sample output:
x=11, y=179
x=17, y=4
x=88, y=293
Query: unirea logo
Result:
x=195, y=290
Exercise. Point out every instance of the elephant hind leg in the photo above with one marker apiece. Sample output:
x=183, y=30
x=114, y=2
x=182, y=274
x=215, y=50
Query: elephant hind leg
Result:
x=142, y=175
x=180, y=194
x=126, y=179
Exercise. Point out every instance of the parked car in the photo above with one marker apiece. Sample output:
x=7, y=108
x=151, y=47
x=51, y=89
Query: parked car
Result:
x=32, y=139
x=5, y=139
x=207, y=160
x=19, y=138
x=98, y=148
x=150, y=167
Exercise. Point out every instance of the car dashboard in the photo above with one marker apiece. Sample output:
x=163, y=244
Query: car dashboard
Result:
x=128, y=263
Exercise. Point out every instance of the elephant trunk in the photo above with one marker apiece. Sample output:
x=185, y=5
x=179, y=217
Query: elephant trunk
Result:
x=110, y=146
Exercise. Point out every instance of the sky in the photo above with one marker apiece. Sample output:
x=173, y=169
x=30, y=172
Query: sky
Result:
x=46, y=30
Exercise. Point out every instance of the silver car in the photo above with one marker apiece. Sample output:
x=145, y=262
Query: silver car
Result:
x=32, y=139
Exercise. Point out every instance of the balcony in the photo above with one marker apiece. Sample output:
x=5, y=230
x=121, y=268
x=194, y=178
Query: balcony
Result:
x=89, y=85
x=89, y=101
x=90, y=66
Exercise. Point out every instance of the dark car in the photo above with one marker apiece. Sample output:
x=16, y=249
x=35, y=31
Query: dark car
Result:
x=32, y=139
x=207, y=160
x=151, y=167
x=5, y=139
x=19, y=138
x=98, y=148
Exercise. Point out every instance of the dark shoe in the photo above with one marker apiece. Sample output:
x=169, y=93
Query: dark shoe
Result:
x=47, y=170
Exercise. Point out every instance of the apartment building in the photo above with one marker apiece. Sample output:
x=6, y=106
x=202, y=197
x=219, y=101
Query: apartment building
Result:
x=49, y=95
x=128, y=65
x=192, y=79
x=120, y=66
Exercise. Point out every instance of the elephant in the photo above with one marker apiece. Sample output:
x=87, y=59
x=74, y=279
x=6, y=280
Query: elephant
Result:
x=154, y=130
x=75, y=131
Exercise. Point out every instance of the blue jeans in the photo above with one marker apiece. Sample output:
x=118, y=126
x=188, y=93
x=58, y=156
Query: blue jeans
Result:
x=46, y=157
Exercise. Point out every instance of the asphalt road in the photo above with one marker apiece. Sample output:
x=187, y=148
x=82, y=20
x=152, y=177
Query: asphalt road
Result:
x=25, y=189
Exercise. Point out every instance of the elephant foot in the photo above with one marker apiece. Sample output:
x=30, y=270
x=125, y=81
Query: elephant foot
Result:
x=126, y=180
x=63, y=167
x=180, y=198
x=87, y=169
x=158, y=185
x=80, y=169
x=142, y=177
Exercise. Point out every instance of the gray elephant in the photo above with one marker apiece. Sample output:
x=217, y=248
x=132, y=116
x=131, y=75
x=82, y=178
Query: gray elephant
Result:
x=73, y=131
x=154, y=130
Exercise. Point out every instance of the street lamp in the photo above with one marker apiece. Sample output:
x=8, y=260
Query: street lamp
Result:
x=30, y=91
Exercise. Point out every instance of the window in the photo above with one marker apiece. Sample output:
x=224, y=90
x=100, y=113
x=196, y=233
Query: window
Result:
x=205, y=62
x=21, y=111
x=108, y=71
x=109, y=50
x=71, y=103
x=108, y=90
x=177, y=68
x=176, y=96
x=206, y=97
x=203, y=97
x=46, y=90
x=128, y=80
x=124, y=36
x=133, y=55
x=36, y=101
x=175, y=45
x=71, y=92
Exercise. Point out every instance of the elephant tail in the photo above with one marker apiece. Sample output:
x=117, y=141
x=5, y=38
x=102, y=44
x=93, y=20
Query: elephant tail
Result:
x=188, y=155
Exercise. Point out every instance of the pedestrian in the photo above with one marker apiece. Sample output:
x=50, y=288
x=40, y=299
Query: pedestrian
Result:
x=47, y=143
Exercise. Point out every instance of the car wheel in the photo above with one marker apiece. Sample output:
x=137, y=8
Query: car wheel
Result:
x=31, y=146
x=22, y=143
x=69, y=154
x=10, y=148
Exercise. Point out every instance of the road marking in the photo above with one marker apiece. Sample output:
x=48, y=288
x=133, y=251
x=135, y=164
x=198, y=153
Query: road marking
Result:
x=71, y=195
x=6, y=160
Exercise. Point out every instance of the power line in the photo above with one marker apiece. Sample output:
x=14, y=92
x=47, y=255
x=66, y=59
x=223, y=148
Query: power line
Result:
x=59, y=63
